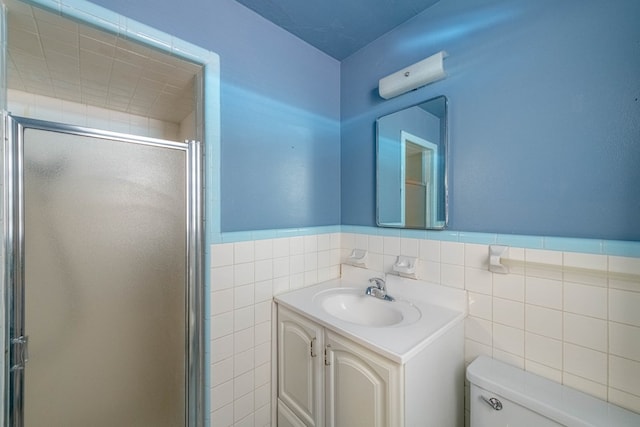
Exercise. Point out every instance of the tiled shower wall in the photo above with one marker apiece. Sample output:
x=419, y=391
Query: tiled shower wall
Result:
x=60, y=111
x=569, y=316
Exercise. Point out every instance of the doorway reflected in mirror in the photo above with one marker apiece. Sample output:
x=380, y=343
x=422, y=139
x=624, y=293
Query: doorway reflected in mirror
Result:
x=411, y=163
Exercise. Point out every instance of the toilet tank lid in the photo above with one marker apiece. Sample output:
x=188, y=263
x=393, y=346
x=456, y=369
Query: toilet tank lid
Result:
x=545, y=397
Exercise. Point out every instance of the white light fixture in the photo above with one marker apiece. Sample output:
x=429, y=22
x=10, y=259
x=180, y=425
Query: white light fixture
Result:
x=414, y=76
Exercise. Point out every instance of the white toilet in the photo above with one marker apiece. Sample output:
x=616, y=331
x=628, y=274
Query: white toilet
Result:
x=505, y=396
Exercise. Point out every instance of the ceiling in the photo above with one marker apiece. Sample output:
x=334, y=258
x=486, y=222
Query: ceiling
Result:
x=338, y=27
x=54, y=56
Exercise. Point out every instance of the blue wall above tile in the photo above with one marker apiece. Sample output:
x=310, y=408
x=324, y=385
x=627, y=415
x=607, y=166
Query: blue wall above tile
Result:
x=544, y=114
x=280, y=113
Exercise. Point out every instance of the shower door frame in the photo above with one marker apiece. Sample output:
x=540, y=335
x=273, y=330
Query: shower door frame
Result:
x=14, y=233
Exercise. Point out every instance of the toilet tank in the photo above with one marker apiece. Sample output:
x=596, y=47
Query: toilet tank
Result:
x=505, y=396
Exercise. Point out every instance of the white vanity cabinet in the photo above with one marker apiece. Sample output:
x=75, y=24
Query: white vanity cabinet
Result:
x=300, y=370
x=325, y=379
x=337, y=373
x=362, y=388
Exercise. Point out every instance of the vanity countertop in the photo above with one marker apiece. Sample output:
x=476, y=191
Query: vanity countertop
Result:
x=445, y=309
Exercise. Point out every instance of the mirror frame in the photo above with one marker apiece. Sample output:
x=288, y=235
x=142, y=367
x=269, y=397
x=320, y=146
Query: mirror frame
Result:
x=444, y=141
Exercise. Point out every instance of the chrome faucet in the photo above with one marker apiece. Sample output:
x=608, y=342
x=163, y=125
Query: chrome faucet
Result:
x=379, y=290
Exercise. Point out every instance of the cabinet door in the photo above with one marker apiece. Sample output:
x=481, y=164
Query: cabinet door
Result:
x=286, y=418
x=363, y=389
x=300, y=376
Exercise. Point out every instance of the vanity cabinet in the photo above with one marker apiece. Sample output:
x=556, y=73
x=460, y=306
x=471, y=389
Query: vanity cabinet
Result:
x=362, y=388
x=337, y=373
x=325, y=379
x=300, y=371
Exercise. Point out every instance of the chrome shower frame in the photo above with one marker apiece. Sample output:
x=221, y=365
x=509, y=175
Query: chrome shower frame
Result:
x=14, y=234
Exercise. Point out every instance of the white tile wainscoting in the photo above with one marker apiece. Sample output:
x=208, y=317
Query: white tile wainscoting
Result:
x=547, y=316
x=244, y=277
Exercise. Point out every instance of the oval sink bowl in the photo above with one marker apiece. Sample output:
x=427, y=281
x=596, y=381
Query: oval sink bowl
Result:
x=353, y=306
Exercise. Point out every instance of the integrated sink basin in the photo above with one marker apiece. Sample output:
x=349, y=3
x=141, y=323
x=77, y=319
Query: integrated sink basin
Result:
x=354, y=306
x=397, y=330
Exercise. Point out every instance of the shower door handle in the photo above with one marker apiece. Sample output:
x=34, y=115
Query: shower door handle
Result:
x=20, y=350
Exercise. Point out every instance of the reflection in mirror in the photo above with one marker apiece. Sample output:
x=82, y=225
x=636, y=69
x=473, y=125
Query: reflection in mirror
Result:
x=411, y=167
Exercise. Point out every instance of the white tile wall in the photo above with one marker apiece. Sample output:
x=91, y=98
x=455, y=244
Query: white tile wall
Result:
x=576, y=328
x=571, y=317
x=244, y=278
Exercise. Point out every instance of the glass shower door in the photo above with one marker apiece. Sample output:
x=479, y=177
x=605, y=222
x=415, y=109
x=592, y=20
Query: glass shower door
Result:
x=104, y=296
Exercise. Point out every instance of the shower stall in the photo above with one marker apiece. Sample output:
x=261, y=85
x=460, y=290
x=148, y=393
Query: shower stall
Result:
x=103, y=266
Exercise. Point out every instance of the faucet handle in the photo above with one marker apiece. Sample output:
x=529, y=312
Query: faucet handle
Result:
x=378, y=281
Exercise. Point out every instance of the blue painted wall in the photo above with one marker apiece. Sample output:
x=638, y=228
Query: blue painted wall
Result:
x=280, y=112
x=544, y=114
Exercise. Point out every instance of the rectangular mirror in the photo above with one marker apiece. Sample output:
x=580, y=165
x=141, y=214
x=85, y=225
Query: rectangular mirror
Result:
x=411, y=167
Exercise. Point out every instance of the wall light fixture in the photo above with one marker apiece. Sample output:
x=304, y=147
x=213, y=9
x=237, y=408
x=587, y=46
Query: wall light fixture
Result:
x=414, y=76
